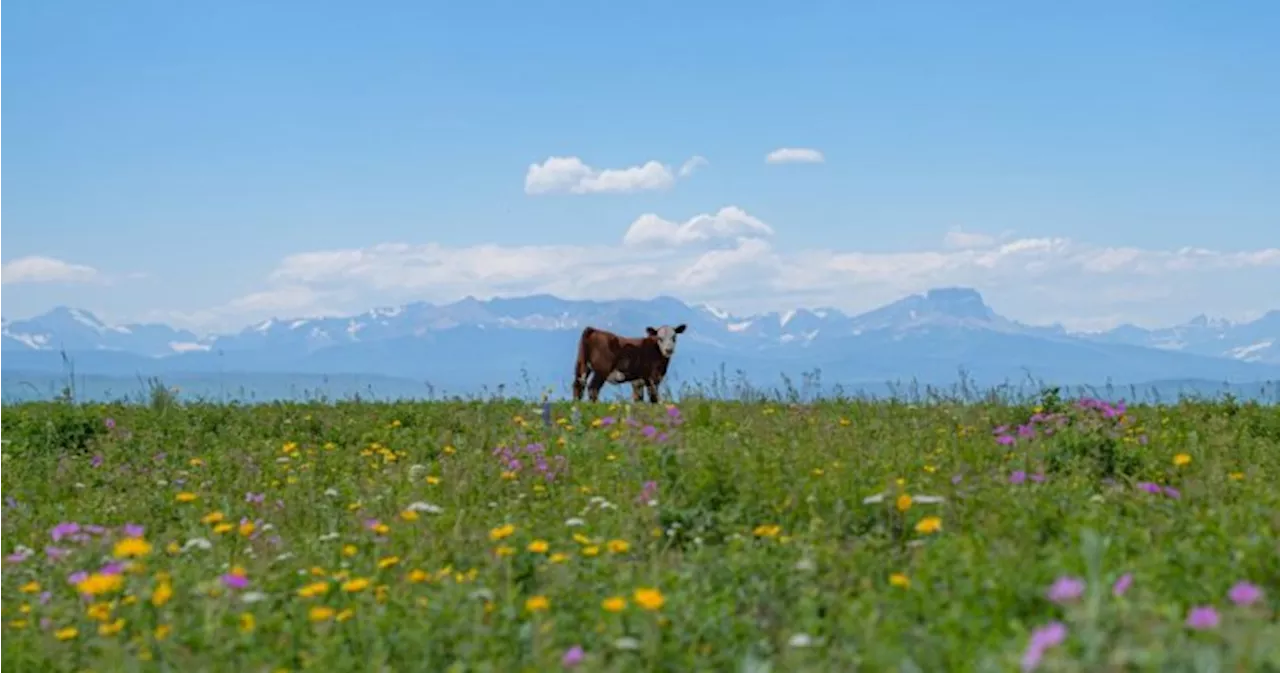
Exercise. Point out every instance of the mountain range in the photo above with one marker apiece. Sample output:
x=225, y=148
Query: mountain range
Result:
x=469, y=344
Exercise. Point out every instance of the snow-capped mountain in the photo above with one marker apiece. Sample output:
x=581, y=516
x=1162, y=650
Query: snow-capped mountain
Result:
x=929, y=337
x=1254, y=341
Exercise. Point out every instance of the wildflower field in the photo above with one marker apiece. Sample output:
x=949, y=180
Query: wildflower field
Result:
x=491, y=536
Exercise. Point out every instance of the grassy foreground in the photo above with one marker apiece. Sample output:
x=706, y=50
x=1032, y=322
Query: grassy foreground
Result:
x=501, y=537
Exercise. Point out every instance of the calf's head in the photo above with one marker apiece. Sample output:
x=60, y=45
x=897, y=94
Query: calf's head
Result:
x=666, y=338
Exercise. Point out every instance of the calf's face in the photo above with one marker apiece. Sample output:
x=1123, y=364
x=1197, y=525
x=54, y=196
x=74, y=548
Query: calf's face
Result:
x=666, y=338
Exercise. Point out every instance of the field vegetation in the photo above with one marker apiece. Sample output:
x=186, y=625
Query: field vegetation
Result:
x=1054, y=535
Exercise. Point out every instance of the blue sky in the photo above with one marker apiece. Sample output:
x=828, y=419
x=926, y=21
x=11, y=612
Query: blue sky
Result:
x=211, y=164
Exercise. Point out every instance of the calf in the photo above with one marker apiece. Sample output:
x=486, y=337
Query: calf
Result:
x=605, y=356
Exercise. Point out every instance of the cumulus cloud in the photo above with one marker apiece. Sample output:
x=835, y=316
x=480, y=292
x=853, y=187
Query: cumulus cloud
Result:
x=794, y=155
x=964, y=240
x=571, y=175
x=41, y=269
x=650, y=230
x=728, y=257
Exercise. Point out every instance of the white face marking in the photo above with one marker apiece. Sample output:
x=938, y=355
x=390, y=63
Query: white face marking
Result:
x=667, y=340
x=617, y=377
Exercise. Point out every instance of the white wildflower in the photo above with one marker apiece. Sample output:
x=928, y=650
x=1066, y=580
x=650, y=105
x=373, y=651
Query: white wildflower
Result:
x=427, y=507
x=800, y=640
x=252, y=596
x=627, y=643
x=197, y=543
x=574, y=522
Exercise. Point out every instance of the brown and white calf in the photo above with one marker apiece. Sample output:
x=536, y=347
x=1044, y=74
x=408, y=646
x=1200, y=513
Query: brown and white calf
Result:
x=606, y=357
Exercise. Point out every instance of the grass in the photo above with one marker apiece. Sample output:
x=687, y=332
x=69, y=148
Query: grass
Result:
x=721, y=536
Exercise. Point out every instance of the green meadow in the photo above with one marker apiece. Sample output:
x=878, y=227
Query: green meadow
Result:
x=1055, y=535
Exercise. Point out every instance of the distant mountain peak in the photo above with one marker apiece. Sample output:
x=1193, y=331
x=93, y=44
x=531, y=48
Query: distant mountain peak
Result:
x=958, y=302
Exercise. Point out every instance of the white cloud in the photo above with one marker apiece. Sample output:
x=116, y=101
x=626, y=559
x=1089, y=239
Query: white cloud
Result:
x=728, y=258
x=794, y=155
x=692, y=164
x=649, y=230
x=570, y=175
x=964, y=240
x=40, y=269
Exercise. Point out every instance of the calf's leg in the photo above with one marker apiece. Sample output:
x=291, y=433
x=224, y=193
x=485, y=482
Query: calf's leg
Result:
x=593, y=388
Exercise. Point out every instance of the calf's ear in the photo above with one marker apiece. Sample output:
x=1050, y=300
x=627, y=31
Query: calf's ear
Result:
x=651, y=331
x=680, y=328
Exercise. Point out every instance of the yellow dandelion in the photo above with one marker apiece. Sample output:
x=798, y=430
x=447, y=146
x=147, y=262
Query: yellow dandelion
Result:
x=247, y=622
x=30, y=588
x=845, y=422
x=223, y=528
x=581, y=539
x=388, y=562
x=614, y=604
x=1181, y=459
x=904, y=502
x=538, y=547
x=591, y=550
x=196, y=462
x=409, y=515
x=346, y=614
x=416, y=576
x=314, y=589
x=66, y=633
x=929, y=524
x=508, y=475
x=537, y=604
x=899, y=580
x=767, y=530
x=18, y=624
x=161, y=594
x=212, y=518
x=173, y=548
x=185, y=496
x=246, y=528
x=162, y=631
x=97, y=584
x=355, y=585
x=504, y=550
x=433, y=480
x=99, y=612
x=111, y=628
x=320, y=613
x=349, y=550
x=1236, y=476
x=502, y=532
x=649, y=598
x=132, y=547
x=619, y=546
x=558, y=557
x=381, y=529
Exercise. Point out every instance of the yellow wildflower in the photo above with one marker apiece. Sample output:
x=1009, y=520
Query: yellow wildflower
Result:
x=223, y=528
x=1236, y=476
x=539, y=546
x=132, y=547
x=212, y=518
x=537, y=604
x=433, y=480
x=1182, y=459
x=591, y=550
x=899, y=580
x=110, y=629
x=416, y=576
x=929, y=524
x=173, y=548
x=614, y=604
x=502, y=532
x=314, y=589
x=767, y=530
x=504, y=550
x=30, y=588
x=904, y=502
x=162, y=631
x=649, y=599
x=409, y=515
x=345, y=615
x=185, y=496
x=349, y=550
x=98, y=583
x=247, y=622
x=161, y=594
x=619, y=546
x=320, y=613
x=387, y=562
x=66, y=633
x=558, y=557
x=354, y=585
x=99, y=612
x=246, y=528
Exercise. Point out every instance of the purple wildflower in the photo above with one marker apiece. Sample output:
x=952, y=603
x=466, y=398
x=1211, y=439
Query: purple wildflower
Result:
x=17, y=556
x=1026, y=431
x=1202, y=617
x=1017, y=477
x=133, y=530
x=1000, y=430
x=1004, y=440
x=110, y=423
x=371, y=523
x=1043, y=638
x=1038, y=477
x=572, y=656
x=607, y=421
x=648, y=492
x=957, y=479
x=45, y=597
x=234, y=581
x=1244, y=593
x=77, y=577
x=55, y=553
x=649, y=431
x=1122, y=584
x=255, y=498
x=94, y=529
x=112, y=569
x=1065, y=589
x=1172, y=492
x=96, y=461
x=1148, y=487
x=64, y=529
x=11, y=502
